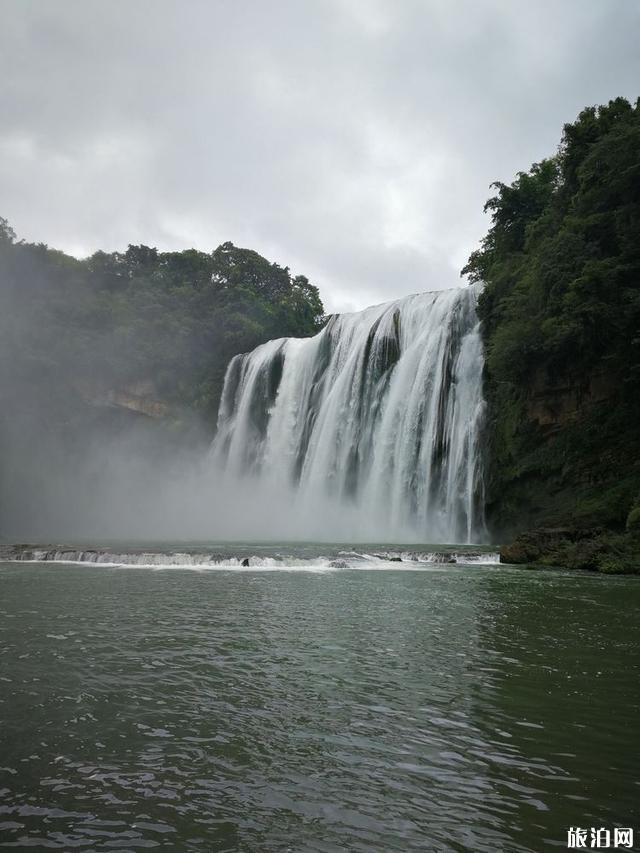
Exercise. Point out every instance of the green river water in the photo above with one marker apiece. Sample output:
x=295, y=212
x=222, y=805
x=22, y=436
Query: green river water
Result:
x=458, y=708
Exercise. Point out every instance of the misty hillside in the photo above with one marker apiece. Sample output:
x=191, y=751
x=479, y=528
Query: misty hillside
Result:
x=125, y=320
x=123, y=346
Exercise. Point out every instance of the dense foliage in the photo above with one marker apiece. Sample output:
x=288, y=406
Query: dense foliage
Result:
x=111, y=369
x=172, y=317
x=561, y=322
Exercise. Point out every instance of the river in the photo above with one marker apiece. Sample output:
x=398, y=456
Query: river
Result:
x=452, y=707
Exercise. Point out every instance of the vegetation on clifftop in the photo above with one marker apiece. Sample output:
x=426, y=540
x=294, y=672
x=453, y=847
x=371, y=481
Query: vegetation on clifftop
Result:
x=560, y=315
x=114, y=320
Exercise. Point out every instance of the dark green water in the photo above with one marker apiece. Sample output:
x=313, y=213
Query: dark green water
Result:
x=458, y=708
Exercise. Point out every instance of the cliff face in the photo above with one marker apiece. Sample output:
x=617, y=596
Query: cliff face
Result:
x=564, y=471
x=555, y=445
x=553, y=402
x=142, y=398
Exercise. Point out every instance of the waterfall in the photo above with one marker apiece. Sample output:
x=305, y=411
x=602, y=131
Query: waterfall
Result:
x=371, y=429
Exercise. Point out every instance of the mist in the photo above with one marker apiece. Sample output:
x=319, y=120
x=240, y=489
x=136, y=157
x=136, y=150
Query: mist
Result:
x=74, y=465
x=110, y=374
x=136, y=484
x=77, y=472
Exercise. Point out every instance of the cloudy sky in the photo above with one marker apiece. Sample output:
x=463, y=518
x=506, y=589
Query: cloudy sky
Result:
x=353, y=140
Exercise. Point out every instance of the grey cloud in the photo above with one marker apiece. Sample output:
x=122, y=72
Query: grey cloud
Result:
x=354, y=141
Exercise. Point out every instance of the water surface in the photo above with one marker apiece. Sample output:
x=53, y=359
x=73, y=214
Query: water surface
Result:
x=449, y=708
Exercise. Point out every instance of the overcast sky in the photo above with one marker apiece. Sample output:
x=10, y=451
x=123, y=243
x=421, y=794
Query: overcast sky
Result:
x=353, y=140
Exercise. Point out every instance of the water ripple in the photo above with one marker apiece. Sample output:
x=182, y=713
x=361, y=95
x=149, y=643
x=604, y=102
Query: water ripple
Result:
x=469, y=709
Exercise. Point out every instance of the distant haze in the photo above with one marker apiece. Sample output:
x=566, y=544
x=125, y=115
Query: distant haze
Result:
x=354, y=140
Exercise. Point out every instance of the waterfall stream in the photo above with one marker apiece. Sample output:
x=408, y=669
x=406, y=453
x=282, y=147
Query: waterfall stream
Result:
x=371, y=429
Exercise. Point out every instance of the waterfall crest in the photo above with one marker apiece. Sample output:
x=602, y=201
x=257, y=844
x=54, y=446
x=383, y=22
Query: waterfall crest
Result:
x=371, y=429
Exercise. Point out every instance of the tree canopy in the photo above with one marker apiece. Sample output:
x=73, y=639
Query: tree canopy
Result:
x=115, y=318
x=561, y=261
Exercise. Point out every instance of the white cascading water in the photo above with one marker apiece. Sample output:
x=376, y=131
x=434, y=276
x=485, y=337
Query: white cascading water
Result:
x=371, y=430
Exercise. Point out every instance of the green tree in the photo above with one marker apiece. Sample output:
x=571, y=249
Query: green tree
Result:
x=560, y=312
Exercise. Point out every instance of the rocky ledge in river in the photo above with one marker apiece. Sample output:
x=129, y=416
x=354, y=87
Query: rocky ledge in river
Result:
x=196, y=555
